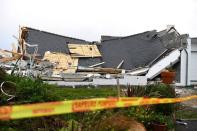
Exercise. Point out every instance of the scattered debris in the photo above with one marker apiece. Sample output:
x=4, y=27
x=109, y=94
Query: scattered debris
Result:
x=5, y=90
x=120, y=64
x=54, y=57
x=62, y=62
x=98, y=64
x=79, y=50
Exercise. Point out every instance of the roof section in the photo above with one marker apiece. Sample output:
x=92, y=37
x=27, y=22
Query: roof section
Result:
x=47, y=41
x=106, y=37
x=149, y=35
x=136, y=50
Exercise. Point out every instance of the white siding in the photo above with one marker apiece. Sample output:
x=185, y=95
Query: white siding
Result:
x=183, y=69
x=193, y=73
x=127, y=80
x=185, y=73
x=194, y=47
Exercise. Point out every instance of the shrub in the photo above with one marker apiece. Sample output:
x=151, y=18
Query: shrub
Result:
x=30, y=91
x=164, y=91
x=2, y=74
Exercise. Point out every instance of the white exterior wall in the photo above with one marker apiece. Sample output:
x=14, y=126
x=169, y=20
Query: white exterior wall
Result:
x=193, y=69
x=133, y=80
x=189, y=62
x=127, y=80
x=193, y=47
x=193, y=72
x=185, y=66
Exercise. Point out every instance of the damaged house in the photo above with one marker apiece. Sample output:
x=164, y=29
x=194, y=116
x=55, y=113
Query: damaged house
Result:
x=140, y=57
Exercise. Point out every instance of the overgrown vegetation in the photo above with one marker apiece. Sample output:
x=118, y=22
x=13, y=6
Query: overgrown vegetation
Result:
x=186, y=113
x=32, y=91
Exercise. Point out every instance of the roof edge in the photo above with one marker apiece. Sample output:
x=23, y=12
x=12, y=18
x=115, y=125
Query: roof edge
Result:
x=119, y=38
x=54, y=34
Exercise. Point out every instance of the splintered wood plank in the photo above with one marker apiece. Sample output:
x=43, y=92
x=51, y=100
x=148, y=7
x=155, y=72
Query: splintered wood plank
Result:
x=80, y=50
x=7, y=59
x=64, y=63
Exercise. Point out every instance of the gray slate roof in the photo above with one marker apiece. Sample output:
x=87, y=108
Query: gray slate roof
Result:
x=106, y=37
x=49, y=42
x=136, y=50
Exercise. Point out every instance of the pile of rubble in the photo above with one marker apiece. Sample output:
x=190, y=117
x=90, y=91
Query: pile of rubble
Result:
x=73, y=60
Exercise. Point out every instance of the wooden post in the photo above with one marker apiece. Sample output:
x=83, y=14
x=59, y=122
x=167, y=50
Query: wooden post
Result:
x=118, y=88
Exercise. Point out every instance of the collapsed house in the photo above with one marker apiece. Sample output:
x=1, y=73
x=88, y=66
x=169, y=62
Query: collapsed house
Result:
x=133, y=59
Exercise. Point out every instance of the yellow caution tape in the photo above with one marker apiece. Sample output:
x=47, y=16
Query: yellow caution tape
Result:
x=54, y=108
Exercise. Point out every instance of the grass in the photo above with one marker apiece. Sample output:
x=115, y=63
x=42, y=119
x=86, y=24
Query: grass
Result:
x=81, y=93
x=186, y=113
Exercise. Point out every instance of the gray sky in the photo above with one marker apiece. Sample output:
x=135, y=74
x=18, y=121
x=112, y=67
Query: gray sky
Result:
x=88, y=19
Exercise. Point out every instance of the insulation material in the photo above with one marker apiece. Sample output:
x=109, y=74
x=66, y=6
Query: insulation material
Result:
x=63, y=62
x=79, y=50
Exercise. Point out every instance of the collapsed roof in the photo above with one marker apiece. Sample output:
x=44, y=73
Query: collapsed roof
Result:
x=49, y=42
x=136, y=50
x=131, y=51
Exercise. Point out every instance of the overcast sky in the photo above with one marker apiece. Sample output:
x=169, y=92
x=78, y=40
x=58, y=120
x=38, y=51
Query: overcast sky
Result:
x=88, y=19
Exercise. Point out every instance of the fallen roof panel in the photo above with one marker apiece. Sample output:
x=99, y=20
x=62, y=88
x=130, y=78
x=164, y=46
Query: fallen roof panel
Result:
x=167, y=61
x=82, y=50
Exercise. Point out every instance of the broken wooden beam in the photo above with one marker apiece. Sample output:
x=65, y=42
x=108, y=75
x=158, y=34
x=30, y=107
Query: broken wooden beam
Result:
x=7, y=59
x=19, y=54
x=84, y=50
x=119, y=65
x=100, y=70
x=98, y=64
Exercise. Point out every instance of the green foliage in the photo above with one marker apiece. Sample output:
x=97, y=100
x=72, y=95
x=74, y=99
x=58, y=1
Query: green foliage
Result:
x=135, y=91
x=158, y=118
x=2, y=74
x=186, y=113
x=162, y=119
x=147, y=116
x=162, y=113
x=84, y=92
x=163, y=91
x=72, y=126
x=32, y=91
x=141, y=113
